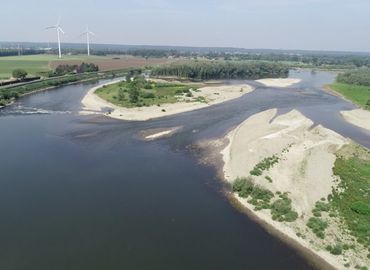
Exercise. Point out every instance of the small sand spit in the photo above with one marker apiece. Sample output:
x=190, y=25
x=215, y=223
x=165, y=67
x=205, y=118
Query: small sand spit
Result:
x=279, y=82
x=212, y=95
x=359, y=117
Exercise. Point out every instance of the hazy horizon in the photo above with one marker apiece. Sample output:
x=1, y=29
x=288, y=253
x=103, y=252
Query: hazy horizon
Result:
x=325, y=25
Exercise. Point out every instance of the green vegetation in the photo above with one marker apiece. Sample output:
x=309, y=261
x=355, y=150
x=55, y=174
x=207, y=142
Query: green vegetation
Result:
x=139, y=92
x=35, y=64
x=264, y=165
x=358, y=94
x=206, y=70
x=336, y=249
x=352, y=199
x=19, y=73
x=318, y=226
x=355, y=85
x=357, y=77
x=281, y=209
x=320, y=207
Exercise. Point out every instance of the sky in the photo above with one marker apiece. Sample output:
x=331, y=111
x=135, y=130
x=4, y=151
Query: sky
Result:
x=340, y=25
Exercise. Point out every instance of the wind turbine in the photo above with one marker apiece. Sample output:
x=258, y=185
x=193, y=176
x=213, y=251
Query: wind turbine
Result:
x=88, y=33
x=59, y=30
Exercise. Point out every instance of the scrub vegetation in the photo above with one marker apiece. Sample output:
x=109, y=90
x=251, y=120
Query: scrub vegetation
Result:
x=281, y=207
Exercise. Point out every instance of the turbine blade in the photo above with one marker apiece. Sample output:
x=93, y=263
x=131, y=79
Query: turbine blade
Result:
x=61, y=30
x=50, y=27
x=92, y=33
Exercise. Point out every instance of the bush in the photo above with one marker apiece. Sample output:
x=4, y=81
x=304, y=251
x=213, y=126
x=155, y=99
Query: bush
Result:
x=265, y=164
x=19, y=73
x=335, y=250
x=318, y=226
x=281, y=210
x=243, y=186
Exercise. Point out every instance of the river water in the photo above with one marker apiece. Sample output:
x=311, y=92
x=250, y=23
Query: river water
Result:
x=85, y=192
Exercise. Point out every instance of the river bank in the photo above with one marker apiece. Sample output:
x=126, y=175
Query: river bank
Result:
x=305, y=155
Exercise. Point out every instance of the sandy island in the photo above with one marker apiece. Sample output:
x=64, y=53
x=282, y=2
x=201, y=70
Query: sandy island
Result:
x=306, y=158
x=359, y=117
x=279, y=82
x=93, y=104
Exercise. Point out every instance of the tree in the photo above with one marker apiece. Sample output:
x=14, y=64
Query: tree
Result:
x=133, y=92
x=19, y=74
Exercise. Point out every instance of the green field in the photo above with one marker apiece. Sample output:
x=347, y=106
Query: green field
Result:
x=35, y=63
x=149, y=93
x=358, y=94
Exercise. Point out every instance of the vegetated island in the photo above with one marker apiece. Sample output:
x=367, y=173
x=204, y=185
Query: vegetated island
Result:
x=354, y=85
x=138, y=98
x=306, y=181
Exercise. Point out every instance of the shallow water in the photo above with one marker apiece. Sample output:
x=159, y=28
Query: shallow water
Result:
x=84, y=192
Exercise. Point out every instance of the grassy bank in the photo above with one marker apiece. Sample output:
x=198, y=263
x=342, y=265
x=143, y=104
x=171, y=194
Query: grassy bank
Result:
x=139, y=92
x=358, y=94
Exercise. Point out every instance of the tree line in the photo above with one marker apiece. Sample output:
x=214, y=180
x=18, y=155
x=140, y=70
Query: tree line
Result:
x=207, y=70
x=358, y=77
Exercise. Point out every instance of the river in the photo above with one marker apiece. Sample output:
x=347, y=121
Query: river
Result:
x=85, y=192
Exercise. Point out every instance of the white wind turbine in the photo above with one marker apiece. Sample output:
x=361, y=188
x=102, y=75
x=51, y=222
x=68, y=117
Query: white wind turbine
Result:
x=88, y=33
x=59, y=30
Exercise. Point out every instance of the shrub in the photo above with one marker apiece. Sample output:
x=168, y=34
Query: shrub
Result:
x=318, y=226
x=281, y=210
x=335, y=250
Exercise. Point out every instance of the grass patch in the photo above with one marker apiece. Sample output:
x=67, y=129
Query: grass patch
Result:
x=358, y=94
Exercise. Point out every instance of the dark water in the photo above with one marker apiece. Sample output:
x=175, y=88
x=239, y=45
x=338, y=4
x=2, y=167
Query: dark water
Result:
x=83, y=192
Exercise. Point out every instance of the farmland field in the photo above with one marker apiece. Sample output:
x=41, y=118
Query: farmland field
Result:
x=41, y=63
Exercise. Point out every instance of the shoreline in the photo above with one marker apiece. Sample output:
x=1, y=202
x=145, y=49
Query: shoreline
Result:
x=93, y=104
x=46, y=89
x=358, y=117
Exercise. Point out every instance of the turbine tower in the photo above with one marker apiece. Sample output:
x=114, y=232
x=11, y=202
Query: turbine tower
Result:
x=88, y=33
x=59, y=30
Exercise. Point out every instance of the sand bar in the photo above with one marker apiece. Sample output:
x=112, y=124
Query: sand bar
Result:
x=212, y=94
x=358, y=117
x=279, y=82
